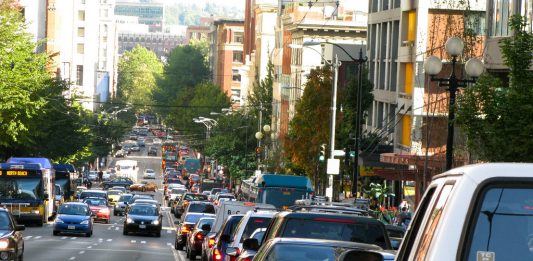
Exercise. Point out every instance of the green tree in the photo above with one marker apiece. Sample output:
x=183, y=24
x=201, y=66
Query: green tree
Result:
x=310, y=125
x=22, y=75
x=138, y=71
x=185, y=69
x=498, y=119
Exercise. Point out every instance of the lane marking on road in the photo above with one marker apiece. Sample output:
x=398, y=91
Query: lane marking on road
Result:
x=134, y=241
x=175, y=253
x=100, y=239
x=169, y=231
x=89, y=247
x=109, y=228
x=143, y=242
x=74, y=238
x=169, y=244
x=37, y=237
x=95, y=244
x=27, y=237
x=82, y=252
x=109, y=240
x=64, y=237
x=72, y=258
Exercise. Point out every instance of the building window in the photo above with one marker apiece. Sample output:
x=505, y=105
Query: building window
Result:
x=237, y=56
x=238, y=37
x=79, y=75
x=81, y=31
x=500, y=12
x=475, y=23
x=236, y=76
x=81, y=15
x=81, y=48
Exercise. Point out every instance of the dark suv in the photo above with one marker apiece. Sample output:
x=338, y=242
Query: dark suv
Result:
x=328, y=226
x=10, y=232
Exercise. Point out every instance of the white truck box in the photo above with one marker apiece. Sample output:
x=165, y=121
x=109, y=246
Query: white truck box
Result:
x=235, y=207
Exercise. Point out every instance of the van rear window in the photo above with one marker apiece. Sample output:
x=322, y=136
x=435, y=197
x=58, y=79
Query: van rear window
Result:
x=361, y=232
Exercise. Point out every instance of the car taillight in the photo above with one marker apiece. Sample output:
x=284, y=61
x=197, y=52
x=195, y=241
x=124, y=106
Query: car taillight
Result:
x=246, y=259
x=211, y=242
x=199, y=236
x=234, y=258
x=216, y=255
x=185, y=230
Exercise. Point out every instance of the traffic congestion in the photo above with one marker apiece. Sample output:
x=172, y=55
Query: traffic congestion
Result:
x=166, y=204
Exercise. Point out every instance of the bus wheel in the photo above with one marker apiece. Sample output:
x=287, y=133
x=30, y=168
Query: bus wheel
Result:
x=40, y=223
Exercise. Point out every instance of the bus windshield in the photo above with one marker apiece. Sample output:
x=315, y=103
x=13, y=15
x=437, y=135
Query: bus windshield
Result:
x=21, y=188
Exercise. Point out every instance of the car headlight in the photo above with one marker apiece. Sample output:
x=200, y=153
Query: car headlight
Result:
x=155, y=222
x=36, y=211
x=59, y=221
x=129, y=220
x=85, y=222
x=4, y=243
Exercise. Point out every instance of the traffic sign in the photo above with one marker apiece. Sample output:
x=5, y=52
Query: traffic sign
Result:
x=333, y=166
x=338, y=153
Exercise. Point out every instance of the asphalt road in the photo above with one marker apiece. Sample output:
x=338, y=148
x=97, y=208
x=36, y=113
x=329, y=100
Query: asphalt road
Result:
x=107, y=242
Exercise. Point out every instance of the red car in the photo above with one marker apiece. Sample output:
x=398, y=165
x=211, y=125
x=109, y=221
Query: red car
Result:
x=99, y=207
x=193, y=247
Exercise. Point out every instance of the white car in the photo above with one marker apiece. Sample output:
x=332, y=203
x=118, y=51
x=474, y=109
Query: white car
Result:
x=251, y=221
x=149, y=174
x=157, y=141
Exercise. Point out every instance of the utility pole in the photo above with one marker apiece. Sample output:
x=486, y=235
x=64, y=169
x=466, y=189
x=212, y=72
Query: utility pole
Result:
x=358, y=123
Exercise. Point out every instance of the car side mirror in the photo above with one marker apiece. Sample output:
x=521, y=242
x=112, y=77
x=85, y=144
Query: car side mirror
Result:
x=250, y=244
x=360, y=255
x=225, y=238
x=20, y=227
x=206, y=227
x=93, y=215
x=232, y=251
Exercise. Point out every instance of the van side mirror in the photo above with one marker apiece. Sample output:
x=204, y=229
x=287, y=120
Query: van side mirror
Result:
x=206, y=227
x=250, y=244
x=225, y=238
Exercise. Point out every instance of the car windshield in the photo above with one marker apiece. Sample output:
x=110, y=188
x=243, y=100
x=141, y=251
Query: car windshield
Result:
x=125, y=198
x=195, y=197
x=205, y=221
x=362, y=232
x=21, y=188
x=193, y=218
x=253, y=224
x=143, y=210
x=95, y=202
x=73, y=209
x=5, y=223
x=149, y=171
x=301, y=252
x=87, y=194
x=114, y=192
x=202, y=208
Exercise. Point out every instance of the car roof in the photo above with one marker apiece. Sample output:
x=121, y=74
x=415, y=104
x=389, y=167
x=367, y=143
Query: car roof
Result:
x=127, y=194
x=480, y=172
x=200, y=214
x=200, y=203
x=142, y=204
x=324, y=242
x=261, y=213
x=322, y=216
x=94, y=190
x=75, y=203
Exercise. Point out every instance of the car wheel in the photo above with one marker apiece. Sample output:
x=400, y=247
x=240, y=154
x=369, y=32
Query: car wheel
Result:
x=56, y=233
x=158, y=234
x=124, y=232
x=176, y=245
x=89, y=234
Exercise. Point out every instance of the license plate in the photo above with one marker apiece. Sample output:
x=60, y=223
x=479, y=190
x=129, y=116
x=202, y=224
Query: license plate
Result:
x=142, y=226
x=71, y=227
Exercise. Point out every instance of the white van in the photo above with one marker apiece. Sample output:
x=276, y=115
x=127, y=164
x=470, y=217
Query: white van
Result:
x=127, y=169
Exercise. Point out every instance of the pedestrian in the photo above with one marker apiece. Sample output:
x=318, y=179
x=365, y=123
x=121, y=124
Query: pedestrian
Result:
x=403, y=218
x=100, y=175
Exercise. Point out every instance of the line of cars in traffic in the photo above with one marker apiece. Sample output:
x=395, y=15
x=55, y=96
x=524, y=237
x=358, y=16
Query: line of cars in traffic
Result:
x=235, y=230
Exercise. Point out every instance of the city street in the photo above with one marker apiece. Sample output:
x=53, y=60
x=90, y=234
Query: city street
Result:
x=107, y=242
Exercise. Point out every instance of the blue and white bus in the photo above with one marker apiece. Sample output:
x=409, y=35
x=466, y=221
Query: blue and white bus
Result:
x=27, y=189
x=279, y=190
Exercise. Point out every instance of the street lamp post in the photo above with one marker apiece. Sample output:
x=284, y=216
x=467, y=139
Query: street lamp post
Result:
x=208, y=123
x=358, y=130
x=473, y=67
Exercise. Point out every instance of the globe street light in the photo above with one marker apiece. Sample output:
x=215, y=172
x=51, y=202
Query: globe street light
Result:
x=473, y=67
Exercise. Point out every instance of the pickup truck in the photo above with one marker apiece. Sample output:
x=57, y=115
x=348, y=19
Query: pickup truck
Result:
x=481, y=212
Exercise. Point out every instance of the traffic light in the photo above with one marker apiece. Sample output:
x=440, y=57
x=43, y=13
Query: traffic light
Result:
x=322, y=155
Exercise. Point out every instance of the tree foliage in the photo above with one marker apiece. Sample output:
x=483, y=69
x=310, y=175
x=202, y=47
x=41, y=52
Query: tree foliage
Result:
x=498, y=119
x=138, y=71
x=310, y=126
